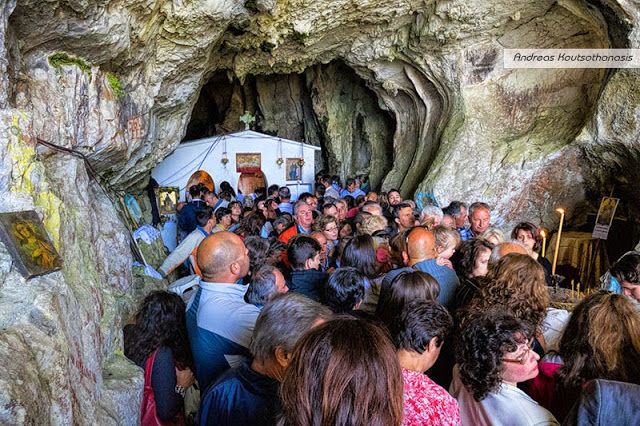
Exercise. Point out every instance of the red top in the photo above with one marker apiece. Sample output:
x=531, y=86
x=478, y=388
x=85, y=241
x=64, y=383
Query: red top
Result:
x=426, y=403
x=544, y=391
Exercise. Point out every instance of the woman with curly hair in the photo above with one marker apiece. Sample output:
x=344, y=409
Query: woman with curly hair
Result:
x=529, y=235
x=343, y=372
x=494, y=355
x=158, y=342
x=601, y=341
x=517, y=285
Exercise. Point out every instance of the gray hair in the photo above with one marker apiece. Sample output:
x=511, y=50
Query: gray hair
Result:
x=262, y=286
x=431, y=211
x=478, y=205
x=284, y=220
x=282, y=321
x=371, y=206
x=297, y=206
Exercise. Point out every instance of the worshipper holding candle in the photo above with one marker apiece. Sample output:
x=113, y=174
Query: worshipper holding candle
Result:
x=343, y=372
x=529, y=235
x=418, y=332
x=601, y=341
x=494, y=355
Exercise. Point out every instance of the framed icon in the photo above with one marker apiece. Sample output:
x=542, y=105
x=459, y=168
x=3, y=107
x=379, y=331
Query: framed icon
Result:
x=26, y=239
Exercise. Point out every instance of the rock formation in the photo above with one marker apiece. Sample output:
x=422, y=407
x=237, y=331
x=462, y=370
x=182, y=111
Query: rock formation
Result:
x=413, y=91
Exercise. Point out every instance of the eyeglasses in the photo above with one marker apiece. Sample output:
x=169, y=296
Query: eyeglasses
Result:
x=331, y=229
x=524, y=358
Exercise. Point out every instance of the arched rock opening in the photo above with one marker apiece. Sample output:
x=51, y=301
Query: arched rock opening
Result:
x=325, y=105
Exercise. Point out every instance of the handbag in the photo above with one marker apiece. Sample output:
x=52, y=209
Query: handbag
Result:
x=149, y=413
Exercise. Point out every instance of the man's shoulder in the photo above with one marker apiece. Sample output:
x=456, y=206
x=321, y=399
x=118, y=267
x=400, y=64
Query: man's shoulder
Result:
x=431, y=266
x=288, y=233
x=225, y=297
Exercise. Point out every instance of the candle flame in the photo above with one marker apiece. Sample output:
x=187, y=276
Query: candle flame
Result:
x=560, y=210
x=542, y=233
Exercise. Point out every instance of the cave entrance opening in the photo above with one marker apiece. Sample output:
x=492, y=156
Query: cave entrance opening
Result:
x=327, y=105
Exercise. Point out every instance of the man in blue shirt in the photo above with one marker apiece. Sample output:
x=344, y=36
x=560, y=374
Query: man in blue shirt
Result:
x=458, y=211
x=351, y=189
x=422, y=254
x=219, y=321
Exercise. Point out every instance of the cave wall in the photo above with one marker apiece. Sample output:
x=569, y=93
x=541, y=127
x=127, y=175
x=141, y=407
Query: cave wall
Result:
x=446, y=118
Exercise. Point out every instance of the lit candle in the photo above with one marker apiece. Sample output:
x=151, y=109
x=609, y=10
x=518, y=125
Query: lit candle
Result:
x=555, y=254
x=572, y=289
x=578, y=290
x=544, y=241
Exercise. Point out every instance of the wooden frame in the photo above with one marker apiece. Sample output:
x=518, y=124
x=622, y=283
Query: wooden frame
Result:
x=168, y=197
x=26, y=239
x=248, y=162
x=293, y=170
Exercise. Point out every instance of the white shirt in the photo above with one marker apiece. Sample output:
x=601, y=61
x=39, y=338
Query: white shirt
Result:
x=509, y=407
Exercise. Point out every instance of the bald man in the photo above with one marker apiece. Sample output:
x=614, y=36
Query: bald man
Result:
x=219, y=321
x=501, y=250
x=421, y=254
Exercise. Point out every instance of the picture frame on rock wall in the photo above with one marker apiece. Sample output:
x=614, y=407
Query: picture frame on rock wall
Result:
x=168, y=197
x=25, y=238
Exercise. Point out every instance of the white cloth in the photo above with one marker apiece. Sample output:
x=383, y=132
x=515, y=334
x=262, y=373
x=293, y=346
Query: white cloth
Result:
x=509, y=407
x=553, y=327
x=147, y=233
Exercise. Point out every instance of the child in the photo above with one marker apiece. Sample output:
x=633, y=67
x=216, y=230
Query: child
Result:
x=303, y=252
x=447, y=240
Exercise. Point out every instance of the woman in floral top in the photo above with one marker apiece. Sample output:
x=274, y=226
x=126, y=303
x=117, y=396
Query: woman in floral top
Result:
x=418, y=333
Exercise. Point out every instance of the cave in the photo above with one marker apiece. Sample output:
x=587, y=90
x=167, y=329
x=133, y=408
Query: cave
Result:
x=93, y=95
x=299, y=107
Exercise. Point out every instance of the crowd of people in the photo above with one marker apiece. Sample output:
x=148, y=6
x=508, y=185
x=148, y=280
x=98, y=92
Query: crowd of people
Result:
x=352, y=307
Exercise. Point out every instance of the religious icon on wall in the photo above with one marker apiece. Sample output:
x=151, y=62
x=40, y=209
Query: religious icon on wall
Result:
x=605, y=217
x=423, y=200
x=293, y=169
x=248, y=163
x=168, y=197
x=24, y=236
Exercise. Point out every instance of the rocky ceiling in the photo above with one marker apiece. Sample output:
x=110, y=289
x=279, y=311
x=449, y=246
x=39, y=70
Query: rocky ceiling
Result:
x=419, y=84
